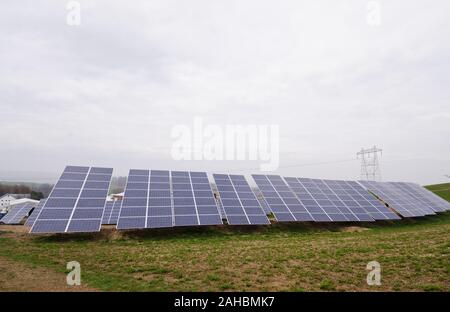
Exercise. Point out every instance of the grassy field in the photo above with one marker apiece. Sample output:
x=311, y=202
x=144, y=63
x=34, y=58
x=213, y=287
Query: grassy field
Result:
x=442, y=190
x=414, y=256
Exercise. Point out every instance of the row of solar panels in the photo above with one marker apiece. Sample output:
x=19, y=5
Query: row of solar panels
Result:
x=158, y=198
x=30, y=211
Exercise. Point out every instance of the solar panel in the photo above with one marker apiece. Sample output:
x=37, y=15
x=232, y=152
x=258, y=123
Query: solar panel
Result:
x=193, y=199
x=425, y=197
x=76, y=202
x=32, y=217
x=107, y=211
x=397, y=199
x=322, y=202
x=159, y=198
x=355, y=197
x=282, y=202
x=17, y=213
x=238, y=200
x=115, y=211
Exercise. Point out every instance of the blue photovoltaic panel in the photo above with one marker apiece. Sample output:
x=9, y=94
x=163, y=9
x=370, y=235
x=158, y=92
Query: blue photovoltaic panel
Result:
x=115, y=212
x=193, y=199
x=238, y=200
x=282, y=202
x=397, y=199
x=17, y=213
x=32, y=217
x=159, y=198
x=107, y=211
x=355, y=198
x=323, y=204
x=133, y=214
x=76, y=202
x=160, y=210
x=112, y=211
x=427, y=198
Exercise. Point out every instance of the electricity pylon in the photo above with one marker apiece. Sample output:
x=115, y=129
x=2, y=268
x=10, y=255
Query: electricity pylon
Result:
x=370, y=166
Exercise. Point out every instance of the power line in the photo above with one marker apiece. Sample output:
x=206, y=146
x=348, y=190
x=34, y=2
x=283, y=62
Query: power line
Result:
x=305, y=164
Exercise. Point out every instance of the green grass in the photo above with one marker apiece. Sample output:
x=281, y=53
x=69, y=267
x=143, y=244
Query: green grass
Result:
x=414, y=255
x=442, y=190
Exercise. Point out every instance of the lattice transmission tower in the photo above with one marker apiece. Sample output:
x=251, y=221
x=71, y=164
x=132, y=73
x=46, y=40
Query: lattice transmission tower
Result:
x=370, y=165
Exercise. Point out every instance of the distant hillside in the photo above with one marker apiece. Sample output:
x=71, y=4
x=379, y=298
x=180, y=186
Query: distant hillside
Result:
x=442, y=190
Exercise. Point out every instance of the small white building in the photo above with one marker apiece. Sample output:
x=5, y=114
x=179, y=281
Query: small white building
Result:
x=5, y=202
x=118, y=196
x=10, y=201
x=21, y=201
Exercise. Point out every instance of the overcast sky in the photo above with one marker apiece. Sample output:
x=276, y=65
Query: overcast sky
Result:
x=110, y=91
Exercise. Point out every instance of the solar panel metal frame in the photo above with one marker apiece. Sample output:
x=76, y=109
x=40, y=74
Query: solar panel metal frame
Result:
x=32, y=217
x=283, y=203
x=218, y=202
x=241, y=206
x=397, y=199
x=17, y=213
x=77, y=201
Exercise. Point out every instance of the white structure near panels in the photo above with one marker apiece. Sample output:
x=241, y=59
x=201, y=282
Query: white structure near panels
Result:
x=76, y=203
x=32, y=217
x=397, y=199
x=238, y=200
x=17, y=213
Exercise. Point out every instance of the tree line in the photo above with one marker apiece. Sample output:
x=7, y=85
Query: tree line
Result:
x=36, y=192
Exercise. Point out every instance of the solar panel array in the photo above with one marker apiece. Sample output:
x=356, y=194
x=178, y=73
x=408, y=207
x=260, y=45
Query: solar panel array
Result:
x=423, y=196
x=282, y=202
x=397, y=199
x=160, y=198
x=111, y=213
x=17, y=213
x=238, y=200
x=76, y=203
x=32, y=217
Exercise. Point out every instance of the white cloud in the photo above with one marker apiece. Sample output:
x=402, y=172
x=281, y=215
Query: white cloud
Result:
x=109, y=91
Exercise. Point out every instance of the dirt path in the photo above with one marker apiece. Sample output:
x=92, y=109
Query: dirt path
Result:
x=16, y=276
